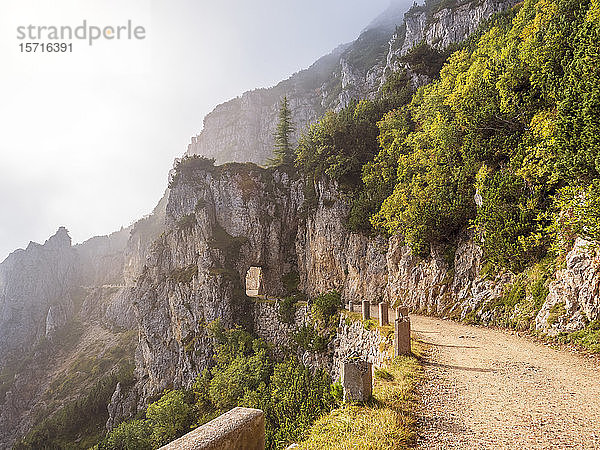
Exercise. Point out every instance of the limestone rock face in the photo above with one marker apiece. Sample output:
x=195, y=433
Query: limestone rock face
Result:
x=575, y=288
x=220, y=222
x=332, y=258
x=35, y=292
x=123, y=405
x=101, y=258
x=447, y=285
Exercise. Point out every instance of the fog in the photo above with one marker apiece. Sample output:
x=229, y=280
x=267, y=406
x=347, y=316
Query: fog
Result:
x=88, y=136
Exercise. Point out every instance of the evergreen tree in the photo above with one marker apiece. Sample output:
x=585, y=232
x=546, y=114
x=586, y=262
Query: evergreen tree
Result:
x=283, y=153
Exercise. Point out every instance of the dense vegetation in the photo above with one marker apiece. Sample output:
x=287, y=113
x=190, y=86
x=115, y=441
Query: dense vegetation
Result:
x=512, y=123
x=245, y=373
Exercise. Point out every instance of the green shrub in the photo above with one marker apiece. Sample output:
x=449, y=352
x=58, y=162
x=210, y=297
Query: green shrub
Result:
x=557, y=311
x=337, y=391
x=308, y=338
x=588, y=338
x=384, y=374
x=134, y=435
x=170, y=417
x=287, y=309
x=325, y=308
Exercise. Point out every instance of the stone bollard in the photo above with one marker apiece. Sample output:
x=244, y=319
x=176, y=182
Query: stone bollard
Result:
x=351, y=306
x=402, y=337
x=401, y=311
x=357, y=380
x=366, y=309
x=383, y=314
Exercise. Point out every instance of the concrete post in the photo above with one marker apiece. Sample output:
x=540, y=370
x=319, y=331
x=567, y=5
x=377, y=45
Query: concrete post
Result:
x=357, y=380
x=383, y=314
x=402, y=337
x=351, y=306
x=366, y=309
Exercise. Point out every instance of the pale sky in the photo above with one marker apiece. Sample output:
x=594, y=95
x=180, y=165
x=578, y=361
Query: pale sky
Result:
x=87, y=138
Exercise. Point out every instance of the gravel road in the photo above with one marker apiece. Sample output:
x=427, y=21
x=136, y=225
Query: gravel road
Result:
x=487, y=388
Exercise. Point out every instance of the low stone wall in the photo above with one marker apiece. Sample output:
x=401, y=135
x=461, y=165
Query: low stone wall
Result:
x=352, y=338
x=267, y=326
x=237, y=429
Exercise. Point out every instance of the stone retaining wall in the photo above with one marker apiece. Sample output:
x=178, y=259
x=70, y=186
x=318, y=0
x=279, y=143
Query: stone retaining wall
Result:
x=352, y=338
x=267, y=326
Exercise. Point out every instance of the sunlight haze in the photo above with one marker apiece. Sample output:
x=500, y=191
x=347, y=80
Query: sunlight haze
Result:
x=89, y=136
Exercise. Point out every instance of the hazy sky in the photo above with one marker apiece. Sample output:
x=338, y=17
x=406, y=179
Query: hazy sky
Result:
x=87, y=138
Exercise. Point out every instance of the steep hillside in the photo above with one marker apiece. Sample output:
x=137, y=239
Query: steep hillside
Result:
x=242, y=129
x=173, y=272
x=66, y=326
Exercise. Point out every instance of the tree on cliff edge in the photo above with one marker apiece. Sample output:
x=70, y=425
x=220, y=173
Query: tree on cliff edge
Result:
x=283, y=153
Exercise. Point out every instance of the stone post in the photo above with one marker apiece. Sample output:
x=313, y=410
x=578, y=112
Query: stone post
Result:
x=383, y=314
x=402, y=337
x=401, y=311
x=357, y=380
x=366, y=309
x=351, y=306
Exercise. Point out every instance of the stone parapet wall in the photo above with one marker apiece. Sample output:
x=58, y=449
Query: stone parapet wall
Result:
x=351, y=340
x=237, y=429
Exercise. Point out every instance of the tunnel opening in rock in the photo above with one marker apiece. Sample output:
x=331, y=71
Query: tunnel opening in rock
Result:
x=254, y=282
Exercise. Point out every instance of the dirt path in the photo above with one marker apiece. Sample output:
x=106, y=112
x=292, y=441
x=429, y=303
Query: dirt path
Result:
x=490, y=389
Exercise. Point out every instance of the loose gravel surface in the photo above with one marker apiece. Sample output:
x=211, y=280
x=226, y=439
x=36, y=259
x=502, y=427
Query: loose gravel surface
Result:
x=487, y=388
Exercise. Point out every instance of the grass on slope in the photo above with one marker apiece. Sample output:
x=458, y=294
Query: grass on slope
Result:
x=386, y=422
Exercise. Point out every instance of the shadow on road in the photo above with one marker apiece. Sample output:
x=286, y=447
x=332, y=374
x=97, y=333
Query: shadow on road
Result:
x=448, y=366
x=447, y=345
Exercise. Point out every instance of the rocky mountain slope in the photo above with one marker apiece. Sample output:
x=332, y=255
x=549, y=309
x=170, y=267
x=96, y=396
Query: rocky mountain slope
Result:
x=62, y=305
x=184, y=266
x=242, y=128
x=223, y=220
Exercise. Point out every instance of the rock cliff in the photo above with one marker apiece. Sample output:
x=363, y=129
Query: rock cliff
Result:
x=58, y=303
x=223, y=220
x=35, y=292
x=220, y=222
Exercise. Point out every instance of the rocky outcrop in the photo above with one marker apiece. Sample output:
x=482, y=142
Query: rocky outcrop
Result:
x=332, y=258
x=35, y=292
x=572, y=300
x=223, y=220
x=101, y=258
x=49, y=290
x=220, y=222
x=122, y=406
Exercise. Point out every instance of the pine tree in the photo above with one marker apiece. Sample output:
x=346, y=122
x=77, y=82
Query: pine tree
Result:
x=283, y=153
